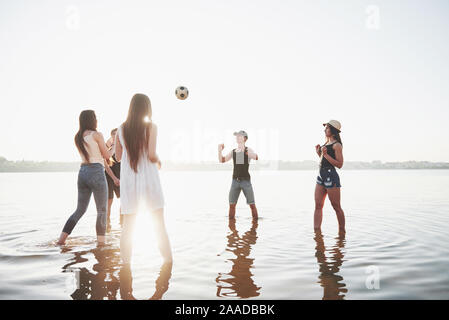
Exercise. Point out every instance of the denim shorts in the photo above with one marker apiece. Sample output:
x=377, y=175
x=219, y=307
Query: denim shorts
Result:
x=241, y=185
x=328, y=178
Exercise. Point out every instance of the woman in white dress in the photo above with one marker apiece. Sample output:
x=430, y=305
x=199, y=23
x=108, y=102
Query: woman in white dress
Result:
x=139, y=177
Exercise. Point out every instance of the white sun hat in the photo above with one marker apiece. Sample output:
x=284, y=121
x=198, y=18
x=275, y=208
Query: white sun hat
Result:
x=334, y=123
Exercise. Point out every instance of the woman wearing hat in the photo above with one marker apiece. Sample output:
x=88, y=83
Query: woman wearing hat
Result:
x=328, y=181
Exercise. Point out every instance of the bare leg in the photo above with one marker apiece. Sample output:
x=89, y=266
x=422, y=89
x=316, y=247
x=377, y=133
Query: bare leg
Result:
x=334, y=197
x=232, y=210
x=162, y=235
x=101, y=240
x=62, y=238
x=109, y=215
x=126, y=237
x=254, y=211
x=320, y=196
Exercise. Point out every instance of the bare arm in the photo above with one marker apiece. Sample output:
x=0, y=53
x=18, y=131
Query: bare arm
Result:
x=252, y=154
x=318, y=150
x=152, y=155
x=98, y=136
x=110, y=173
x=118, y=148
x=222, y=158
x=338, y=161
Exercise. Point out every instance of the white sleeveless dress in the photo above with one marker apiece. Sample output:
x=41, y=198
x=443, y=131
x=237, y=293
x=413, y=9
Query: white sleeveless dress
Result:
x=143, y=187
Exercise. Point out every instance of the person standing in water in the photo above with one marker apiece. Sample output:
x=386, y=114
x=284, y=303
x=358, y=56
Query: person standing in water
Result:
x=241, y=179
x=112, y=177
x=139, y=177
x=328, y=181
x=91, y=176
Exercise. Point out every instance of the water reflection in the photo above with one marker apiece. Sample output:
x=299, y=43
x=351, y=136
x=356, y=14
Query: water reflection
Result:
x=238, y=282
x=329, y=279
x=108, y=276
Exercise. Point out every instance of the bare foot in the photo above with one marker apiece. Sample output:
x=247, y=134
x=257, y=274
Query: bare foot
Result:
x=62, y=238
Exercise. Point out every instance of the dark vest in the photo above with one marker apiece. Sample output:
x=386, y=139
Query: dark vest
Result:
x=241, y=169
x=331, y=152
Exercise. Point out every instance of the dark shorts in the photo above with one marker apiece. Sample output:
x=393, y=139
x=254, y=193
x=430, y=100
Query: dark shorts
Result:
x=112, y=188
x=328, y=178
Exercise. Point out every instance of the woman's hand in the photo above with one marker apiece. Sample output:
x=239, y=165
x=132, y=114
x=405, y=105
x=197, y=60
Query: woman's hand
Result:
x=159, y=164
x=324, y=151
x=117, y=182
x=318, y=150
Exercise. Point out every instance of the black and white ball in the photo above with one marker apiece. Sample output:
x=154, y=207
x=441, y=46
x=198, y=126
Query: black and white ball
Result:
x=182, y=93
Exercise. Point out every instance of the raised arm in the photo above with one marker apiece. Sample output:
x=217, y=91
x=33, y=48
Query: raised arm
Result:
x=252, y=154
x=222, y=158
x=318, y=150
x=338, y=161
x=98, y=136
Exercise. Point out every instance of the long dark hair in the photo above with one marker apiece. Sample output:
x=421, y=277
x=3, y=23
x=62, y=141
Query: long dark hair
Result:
x=88, y=121
x=336, y=133
x=136, y=128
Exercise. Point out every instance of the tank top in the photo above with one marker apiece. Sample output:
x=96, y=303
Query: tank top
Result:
x=241, y=168
x=92, y=149
x=331, y=152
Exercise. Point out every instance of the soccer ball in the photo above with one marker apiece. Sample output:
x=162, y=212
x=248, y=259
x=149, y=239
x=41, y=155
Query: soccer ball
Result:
x=182, y=93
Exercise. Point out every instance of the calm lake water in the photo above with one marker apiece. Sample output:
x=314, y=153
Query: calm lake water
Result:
x=396, y=246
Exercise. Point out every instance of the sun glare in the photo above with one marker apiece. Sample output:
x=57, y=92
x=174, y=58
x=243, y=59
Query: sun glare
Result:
x=144, y=240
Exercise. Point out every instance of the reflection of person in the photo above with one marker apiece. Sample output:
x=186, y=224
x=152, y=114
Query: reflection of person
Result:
x=328, y=182
x=241, y=179
x=112, y=176
x=91, y=178
x=102, y=281
x=108, y=277
x=126, y=282
x=139, y=177
x=238, y=282
x=162, y=281
x=329, y=279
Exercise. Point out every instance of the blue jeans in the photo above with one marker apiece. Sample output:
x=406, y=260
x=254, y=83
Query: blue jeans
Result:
x=91, y=179
x=241, y=185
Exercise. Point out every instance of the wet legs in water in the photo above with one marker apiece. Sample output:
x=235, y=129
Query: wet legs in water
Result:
x=129, y=221
x=334, y=197
x=109, y=215
x=161, y=235
x=253, y=211
x=108, y=227
x=232, y=210
x=85, y=191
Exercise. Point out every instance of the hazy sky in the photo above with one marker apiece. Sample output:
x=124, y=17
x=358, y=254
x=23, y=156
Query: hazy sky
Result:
x=277, y=69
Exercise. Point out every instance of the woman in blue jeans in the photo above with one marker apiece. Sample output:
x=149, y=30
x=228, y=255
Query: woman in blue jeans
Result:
x=91, y=177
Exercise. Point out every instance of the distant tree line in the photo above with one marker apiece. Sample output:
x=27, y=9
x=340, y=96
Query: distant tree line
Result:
x=47, y=166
